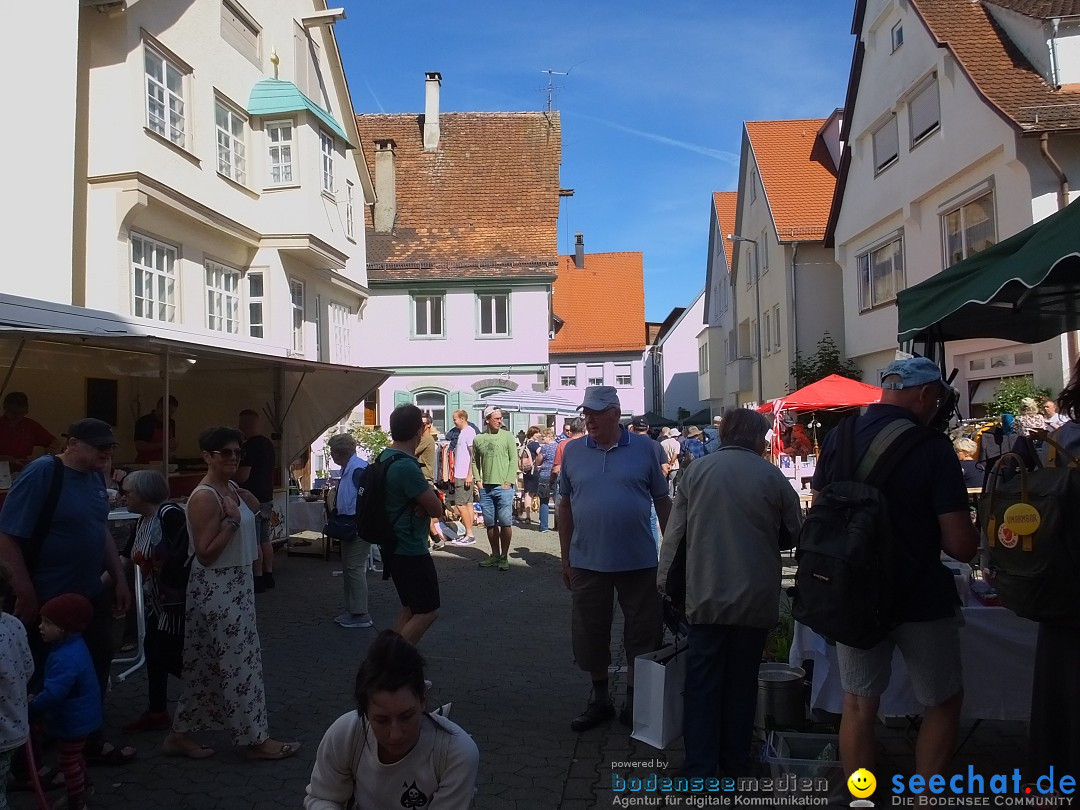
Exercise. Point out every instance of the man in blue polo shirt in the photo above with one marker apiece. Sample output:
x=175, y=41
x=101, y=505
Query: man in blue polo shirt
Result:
x=608, y=481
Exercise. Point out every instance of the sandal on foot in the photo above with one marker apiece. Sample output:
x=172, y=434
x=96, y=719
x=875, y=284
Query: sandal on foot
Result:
x=190, y=749
x=109, y=754
x=283, y=751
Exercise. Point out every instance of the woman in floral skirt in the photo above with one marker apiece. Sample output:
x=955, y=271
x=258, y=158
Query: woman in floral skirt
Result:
x=223, y=679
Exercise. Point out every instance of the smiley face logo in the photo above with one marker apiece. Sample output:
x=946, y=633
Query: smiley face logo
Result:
x=862, y=783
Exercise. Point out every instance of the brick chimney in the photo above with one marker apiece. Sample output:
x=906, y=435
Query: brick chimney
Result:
x=432, y=83
x=579, y=250
x=385, y=186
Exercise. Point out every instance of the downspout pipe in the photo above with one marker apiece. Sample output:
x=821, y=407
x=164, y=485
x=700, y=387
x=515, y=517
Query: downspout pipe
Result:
x=1055, y=167
x=794, y=301
x=1063, y=200
x=1054, y=78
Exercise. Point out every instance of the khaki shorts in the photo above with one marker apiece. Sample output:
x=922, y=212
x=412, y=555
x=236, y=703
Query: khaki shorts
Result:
x=462, y=496
x=931, y=652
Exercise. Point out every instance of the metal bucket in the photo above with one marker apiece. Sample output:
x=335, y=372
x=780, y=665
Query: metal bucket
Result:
x=781, y=696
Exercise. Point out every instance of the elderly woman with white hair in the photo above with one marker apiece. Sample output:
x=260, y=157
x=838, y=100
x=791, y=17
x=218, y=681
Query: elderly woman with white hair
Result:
x=354, y=549
x=1030, y=420
x=966, y=450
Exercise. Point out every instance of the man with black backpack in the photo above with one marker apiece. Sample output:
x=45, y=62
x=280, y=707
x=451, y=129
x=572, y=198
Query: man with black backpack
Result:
x=409, y=502
x=913, y=480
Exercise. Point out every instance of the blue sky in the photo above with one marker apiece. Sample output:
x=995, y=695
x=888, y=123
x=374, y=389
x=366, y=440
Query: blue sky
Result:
x=652, y=107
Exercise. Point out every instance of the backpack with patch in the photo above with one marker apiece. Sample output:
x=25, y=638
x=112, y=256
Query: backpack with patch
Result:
x=844, y=585
x=1034, y=574
x=373, y=523
x=525, y=459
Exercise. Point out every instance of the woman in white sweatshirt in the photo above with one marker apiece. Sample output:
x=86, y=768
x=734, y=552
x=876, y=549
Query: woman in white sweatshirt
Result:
x=390, y=751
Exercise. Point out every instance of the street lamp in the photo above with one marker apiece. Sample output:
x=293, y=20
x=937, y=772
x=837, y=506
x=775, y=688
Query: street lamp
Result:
x=757, y=306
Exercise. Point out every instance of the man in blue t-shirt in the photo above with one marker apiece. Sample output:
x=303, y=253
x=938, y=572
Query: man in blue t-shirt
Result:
x=608, y=480
x=73, y=551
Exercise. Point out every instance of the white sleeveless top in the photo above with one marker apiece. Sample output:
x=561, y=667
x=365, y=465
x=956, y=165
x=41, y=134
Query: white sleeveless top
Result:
x=243, y=549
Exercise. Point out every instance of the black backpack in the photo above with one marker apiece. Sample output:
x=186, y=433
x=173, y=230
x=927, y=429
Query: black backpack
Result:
x=844, y=586
x=373, y=524
x=171, y=557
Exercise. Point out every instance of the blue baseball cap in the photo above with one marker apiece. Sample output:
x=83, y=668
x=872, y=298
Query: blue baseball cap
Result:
x=913, y=372
x=600, y=398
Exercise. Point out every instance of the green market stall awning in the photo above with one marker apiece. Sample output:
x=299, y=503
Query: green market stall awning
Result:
x=1025, y=289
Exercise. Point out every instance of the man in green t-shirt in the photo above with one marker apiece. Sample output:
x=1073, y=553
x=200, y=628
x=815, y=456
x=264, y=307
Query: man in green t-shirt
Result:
x=410, y=502
x=495, y=472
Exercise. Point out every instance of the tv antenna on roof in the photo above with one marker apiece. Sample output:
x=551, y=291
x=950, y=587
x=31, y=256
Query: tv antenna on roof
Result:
x=552, y=87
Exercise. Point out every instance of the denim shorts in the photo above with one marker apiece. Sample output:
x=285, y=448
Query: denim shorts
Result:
x=931, y=652
x=497, y=505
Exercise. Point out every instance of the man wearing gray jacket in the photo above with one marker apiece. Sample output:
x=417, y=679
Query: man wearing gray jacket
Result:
x=733, y=513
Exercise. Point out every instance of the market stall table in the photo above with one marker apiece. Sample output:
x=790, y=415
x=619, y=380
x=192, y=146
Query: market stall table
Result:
x=997, y=648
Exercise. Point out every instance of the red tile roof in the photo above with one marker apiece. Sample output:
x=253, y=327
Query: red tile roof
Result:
x=997, y=68
x=489, y=196
x=1041, y=9
x=725, y=203
x=602, y=304
x=797, y=173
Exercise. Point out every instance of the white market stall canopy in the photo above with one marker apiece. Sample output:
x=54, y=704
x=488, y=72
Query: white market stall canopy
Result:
x=299, y=398
x=529, y=402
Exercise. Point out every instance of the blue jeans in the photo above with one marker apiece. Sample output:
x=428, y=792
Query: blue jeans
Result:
x=720, y=698
x=655, y=523
x=497, y=505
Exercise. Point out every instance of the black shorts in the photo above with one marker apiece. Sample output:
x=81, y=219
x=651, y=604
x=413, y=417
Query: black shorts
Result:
x=416, y=582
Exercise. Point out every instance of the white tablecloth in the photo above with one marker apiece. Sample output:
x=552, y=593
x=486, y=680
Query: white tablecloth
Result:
x=997, y=649
x=307, y=516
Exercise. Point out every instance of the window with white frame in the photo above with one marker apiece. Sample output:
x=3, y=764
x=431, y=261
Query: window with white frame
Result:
x=296, y=299
x=897, y=35
x=624, y=373
x=494, y=314
x=222, y=298
x=341, y=319
x=969, y=228
x=886, y=145
x=594, y=375
x=881, y=274
x=231, y=152
x=326, y=146
x=317, y=319
x=279, y=142
x=153, y=279
x=755, y=339
x=767, y=316
x=753, y=185
x=751, y=268
x=165, y=110
x=350, y=216
x=427, y=311
x=776, y=328
x=568, y=376
x=256, y=293
x=764, y=248
x=703, y=358
x=924, y=111
x=732, y=346
x=433, y=403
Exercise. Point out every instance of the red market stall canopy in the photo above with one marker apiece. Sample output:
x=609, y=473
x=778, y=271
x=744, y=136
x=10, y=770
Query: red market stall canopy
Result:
x=833, y=391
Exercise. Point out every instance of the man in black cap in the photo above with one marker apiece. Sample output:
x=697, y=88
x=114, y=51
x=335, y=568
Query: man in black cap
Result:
x=54, y=537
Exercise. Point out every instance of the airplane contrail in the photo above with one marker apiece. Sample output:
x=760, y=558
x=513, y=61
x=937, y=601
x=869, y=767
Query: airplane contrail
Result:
x=718, y=154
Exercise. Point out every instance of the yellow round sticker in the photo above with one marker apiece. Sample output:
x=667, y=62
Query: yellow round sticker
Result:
x=861, y=783
x=1022, y=518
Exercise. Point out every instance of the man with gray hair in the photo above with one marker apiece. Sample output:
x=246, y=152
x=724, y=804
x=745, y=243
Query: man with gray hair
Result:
x=608, y=480
x=355, y=550
x=723, y=566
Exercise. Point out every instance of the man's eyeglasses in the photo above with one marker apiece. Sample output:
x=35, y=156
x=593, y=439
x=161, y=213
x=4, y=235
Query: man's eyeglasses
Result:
x=228, y=453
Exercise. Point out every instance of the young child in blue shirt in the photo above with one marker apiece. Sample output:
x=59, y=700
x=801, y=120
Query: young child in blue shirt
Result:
x=70, y=700
x=16, y=667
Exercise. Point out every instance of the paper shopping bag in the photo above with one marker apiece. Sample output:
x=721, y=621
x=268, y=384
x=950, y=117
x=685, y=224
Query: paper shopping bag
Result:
x=658, y=695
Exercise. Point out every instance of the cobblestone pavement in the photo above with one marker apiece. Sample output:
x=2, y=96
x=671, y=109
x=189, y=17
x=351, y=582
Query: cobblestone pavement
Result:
x=500, y=652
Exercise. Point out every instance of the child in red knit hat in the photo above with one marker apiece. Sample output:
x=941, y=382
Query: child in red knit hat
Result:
x=71, y=699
